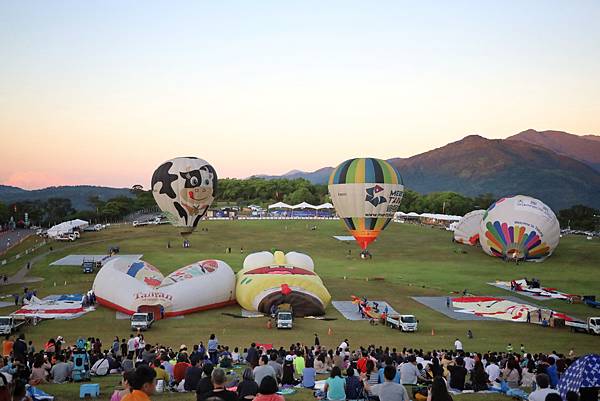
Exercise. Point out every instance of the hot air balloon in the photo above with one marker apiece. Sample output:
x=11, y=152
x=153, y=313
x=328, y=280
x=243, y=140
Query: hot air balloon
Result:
x=366, y=193
x=184, y=189
x=519, y=228
x=467, y=228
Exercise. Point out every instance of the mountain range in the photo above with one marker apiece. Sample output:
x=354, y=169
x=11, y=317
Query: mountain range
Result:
x=78, y=194
x=556, y=167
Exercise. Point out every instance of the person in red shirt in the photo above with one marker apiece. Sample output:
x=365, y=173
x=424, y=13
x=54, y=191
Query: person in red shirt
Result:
x=361, y=364
x=180, y=368
x=7, y=347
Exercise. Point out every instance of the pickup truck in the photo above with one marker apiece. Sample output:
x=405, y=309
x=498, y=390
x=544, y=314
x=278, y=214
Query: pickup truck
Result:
x=402, y=322
x=8, y=325
x=284, y=316
x=142, y=321
x=592, y=326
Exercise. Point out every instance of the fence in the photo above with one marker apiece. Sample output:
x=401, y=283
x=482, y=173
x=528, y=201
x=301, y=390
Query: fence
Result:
x=24, y=253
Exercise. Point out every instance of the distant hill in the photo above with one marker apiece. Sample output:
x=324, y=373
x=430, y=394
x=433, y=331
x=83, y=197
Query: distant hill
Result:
x=583, y=148
x=476, y=165
x=319, y=176
x=78, y=194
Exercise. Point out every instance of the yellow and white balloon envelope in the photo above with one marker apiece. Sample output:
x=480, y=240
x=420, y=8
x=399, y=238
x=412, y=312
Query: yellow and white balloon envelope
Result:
x=268, y=279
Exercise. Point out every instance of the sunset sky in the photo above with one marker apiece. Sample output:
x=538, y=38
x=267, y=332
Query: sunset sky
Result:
x=102, y=92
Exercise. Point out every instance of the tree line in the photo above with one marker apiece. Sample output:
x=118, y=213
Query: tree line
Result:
x=263, y=192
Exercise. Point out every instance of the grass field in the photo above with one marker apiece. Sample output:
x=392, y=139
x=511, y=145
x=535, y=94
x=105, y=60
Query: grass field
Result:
x=413, y=261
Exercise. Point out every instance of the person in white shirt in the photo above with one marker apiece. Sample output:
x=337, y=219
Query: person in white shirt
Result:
x=131, y=346
x=469, y=362
x=409, y=371
x=543, y=381
x=344, y=345
x=458, y=345
x=493, y=371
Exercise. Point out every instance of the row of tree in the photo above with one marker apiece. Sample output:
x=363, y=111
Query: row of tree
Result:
x=263, y=192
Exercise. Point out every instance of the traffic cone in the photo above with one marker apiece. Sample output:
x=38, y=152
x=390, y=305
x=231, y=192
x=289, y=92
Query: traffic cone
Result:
x=329, y=332
x=432, y=332
x=269, y=324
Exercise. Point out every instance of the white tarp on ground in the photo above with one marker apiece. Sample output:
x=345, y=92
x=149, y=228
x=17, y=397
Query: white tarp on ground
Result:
x=67, y=227
x=344, y=238
x=54, y=307
x=77, y=260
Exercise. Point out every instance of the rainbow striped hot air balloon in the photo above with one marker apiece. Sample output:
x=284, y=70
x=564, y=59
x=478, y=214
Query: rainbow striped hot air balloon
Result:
x=519, y=227
x=366, y=193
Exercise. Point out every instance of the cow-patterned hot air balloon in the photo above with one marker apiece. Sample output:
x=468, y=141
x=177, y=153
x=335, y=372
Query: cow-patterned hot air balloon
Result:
x=519, y=228
x=366, y=192
x=184, y=189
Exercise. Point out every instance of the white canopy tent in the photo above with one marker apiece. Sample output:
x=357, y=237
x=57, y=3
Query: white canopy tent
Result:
x=304, y=205
x=324, y=206
x=280, y=205
x=67, y=227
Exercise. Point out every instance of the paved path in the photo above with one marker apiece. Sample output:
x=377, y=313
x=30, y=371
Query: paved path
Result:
x=8, y=239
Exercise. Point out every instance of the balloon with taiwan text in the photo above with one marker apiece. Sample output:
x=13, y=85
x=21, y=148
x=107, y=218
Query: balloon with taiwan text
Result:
x=366, y=192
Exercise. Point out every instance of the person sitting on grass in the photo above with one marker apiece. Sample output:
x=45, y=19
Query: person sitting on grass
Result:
x=205, y=383
x=353, y=386
x=124, y=389
x=248, y=388
x=161, y=373
x=218, y=390
x=438, y=391
x=387, y=391
x=309, y=375
x=288, y=379
x=143, y=384
x=267, y=391
x=335, y=385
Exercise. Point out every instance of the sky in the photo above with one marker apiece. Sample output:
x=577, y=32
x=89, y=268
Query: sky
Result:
x=103, y=92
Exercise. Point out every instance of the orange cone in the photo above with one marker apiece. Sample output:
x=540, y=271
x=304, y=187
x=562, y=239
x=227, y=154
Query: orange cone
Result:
x=329, y=332
x=432, y=332
x=269, y=324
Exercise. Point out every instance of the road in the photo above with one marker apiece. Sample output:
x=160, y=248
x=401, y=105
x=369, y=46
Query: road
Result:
x=11, y=238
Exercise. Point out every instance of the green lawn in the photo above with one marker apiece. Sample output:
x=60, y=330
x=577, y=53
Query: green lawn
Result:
x=412, y=261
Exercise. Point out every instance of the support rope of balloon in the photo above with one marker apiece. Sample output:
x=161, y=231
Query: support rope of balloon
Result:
x=366, y=193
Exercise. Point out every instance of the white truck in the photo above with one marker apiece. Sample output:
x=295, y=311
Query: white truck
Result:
x=284, y=316
x=142, y=321
x=8, y=325
x=591, y=326
x=408, y=323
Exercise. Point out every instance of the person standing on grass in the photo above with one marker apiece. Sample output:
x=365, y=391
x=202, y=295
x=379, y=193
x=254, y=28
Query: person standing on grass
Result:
x=212, y=346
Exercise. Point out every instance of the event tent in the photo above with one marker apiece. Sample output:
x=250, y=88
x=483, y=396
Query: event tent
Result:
x=304, y=205
x=279, y=205
x=324, y=206
x=67, y=227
